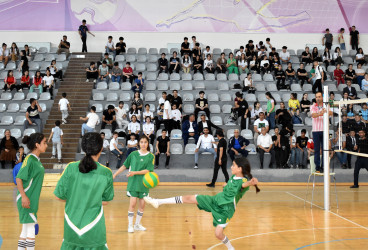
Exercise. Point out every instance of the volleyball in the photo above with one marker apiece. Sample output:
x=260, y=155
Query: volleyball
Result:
x=150, y=180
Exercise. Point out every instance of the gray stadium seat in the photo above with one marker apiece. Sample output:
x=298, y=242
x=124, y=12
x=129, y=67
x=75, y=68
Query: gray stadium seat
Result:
x=17, y=74
x=250, y=98
x=10, y=66
x=99, y=107
x=24, y=107
x=175, y=86
x=2, y=131
x=233, y=77
x=42, y=50
x=188, y=97
x=125, y=97
x=188, y=108
x=162, y=86
x=174, y=77
x=13, y=108
x=360, y=96
x=33, y=66
x=18, y=97
x=252, y=149
x=98, y=97
x=176, y=134
x=348, y=60
x=262, y=97
x=186, y=77
x=221, y=77
x=172, y=50
x=151, y=76
x=277, y=97
x=216, y=51
x=6, y=120
x=151, y=67
x=210, y=77
x=286, y=97
x=2, y=107
x=142, y=51
x=45, y=96
x=226, y=109
x=338, y=97
x=114, y=86
x=19, y=120
x=199, y=85
x=150, y=86
x=120, y=58
x=296, y=87
x=308, y=121
x=217, y=120
x=223, y=86
x=176, y=149
x=331, y=68
x=130, y=58
x=307, y=87
x=190, y=149
x=215, y=109
x=43, y=107
x=213, y=97
x=3, y=75
x=6, y=96
x=187, y=86
x=332, y=87
x=112, y=97
x=53, y=50
x=294, y=59
x=229, y=133
x=152, y=51
x=164, y=50
x=50, y=57
x=198, y=77
x=268, y=78
x=39, y=58
x=257, y=78
x=247, y=134
x=163, y=77
x=29, y=131
x=61, y=58
x=16, y=133
x=225, y=97
x=150, y=97
x=101, y=86
x=132, y=51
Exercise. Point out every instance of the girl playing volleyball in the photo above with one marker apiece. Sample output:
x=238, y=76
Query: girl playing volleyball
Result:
x=139, y=163
x=222, y=205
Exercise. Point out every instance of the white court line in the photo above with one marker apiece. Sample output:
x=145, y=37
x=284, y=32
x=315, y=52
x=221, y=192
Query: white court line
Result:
x=284, y=231
x=341, y=217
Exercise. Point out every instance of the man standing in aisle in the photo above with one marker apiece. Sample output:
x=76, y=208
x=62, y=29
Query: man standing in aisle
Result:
x=82, y=30
x=354, y=38
x=361, y=162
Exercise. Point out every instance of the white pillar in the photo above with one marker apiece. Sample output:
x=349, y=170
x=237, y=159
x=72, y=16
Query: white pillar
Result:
x=326, y=160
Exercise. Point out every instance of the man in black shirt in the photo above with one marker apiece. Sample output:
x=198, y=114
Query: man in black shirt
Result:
x=83, y=30
x=357, y=124
x=345, y=124
x=198, y=64
x=162, y=147
x=280, y=77
x=302, y=151
x=361, y=162
x=206, y=124
x=250, y=45
x=302, y=74
x=351, y=142
x=176, y=99
x=197, y=51
x=201, y=105
x=120, y=46
x=221, y=159
x=109, y=118
x=185, y=47
x=350, y=73
x=282, y=115
x=162, y=64
x=64, y=46
x=33, y=115
x=354, y=38
x=352, y=93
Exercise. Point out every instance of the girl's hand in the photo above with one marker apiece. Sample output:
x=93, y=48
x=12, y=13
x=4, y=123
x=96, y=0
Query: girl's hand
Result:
x=114, y=176
x=253, y=181
x=25, y=202
x=130, y=174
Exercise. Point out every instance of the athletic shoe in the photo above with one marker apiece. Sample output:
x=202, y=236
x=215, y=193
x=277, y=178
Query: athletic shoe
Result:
x=210, y=185
x=291, y=166
x=53, y=157
x=95, y=81
x=196, y=167
x=130, y=229
x=20, y=90
x=167, y=167
x=87, y=80
x=354, y=186
x=344, y=166
x=151, y=201
x=60, y=161
x=139, y=227
x=156, y=166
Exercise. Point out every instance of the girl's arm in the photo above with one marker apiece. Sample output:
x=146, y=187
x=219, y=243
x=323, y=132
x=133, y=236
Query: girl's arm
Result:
x=25, y=201
x=50, y=137
x=120, y=170
x=60, y=199
x=252, y=182
x=142, y=172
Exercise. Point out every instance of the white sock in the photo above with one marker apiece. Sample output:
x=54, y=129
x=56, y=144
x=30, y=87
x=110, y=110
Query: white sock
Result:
x=139, y=217
x=130, y=218
x=172, y=200
x=22, y=245
x=31, y=244
x=227, y=243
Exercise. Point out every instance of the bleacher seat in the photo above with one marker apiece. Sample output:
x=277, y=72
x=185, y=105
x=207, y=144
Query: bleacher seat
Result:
x=188, y=108
x=187, y=86
x=142, y=51
x=164, y=50
x=186, y=77
x=19, y=120
x=229, y=133
x=18, y=97
x=176, y=149
x=98, y=97
x=308, y=121
x=271, y=87
x=190, y=149
x=247, y=134
x=268, y=78
x=151, y=76
x=130, y=58
x=150, y=97
x=125, y=97
x=6, y=120
x=221, y=77
x=257, y=78
x=6, y=96
x=33, y=66
x=3, y=75
x=307, y=87
x=39, y=58
x=162, y=86
x=24, y=107
x=108, y=134
x=199, y=86
x=348, y=60
x=29, y=131
x=152, y=51
x=338, y=97
x=50, y=57
x=210, y=77
x=112, y=97
x=251, y=98
x=164, y=77
x=176, y=134
x=16, y=133
x=223, y=86
x=215, y=109
x=332, y=87
x=252, y=149
x=226, y=109
x=360, y=96
x=225, y=97
x=61, y=58
x=296, y=87
x=99, y=107
x=233, y=77
x=150, y=86
x=217, y=120
x=11, y=66
x=43, y=107
x=13, y=108
x=140, y=67
x=151, y=67
x=120, y=58
x=2, y=131
x=198, y=77
x=132, y=51
x=174, y=77
x=2, y=107
x=101, y=86
x=114, y=86
x=45, y=96
x=213, y=97
x=188, y=97
x=174, y=86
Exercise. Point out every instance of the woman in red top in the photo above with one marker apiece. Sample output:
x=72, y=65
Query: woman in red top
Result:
x=10, y=81
x=25, y=81
x=339, y=75
x=37, y=82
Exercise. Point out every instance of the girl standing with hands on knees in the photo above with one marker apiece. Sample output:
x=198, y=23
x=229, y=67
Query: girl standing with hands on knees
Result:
x=139, y=163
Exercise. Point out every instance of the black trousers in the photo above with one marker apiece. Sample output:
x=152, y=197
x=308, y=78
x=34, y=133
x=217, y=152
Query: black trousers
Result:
x=162, y=69
x=302, y=79
x=13, y=86
x=354, y=45
x=51, y=90
x=172, y=67
x=58, y=74
x=210, y=70
x=84, y=43
x=222, y=70
x=217, y=168
x=3, y=164
x=328, y=45
x=200, y=69
x=280, y=83
x=162, y=152
x=317, y=85
x=349, y=160
x=131, y=79
x=92, y=75
x=361, y=162
x=206, y=110
x=152, y=138
x=114, y=125
x=282, y=156
x=261, y=153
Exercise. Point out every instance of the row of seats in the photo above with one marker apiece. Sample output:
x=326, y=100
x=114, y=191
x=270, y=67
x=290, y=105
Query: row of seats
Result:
x=20, y=96
x=15, y=107
x=17, y=133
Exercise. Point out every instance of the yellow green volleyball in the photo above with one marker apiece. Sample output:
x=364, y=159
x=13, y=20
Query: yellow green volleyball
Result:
x=150, y=180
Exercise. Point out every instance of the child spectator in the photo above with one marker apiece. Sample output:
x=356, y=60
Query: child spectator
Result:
x=162, y=64
x=310, y=147
x=341, y=39
x=25, y=81
x=221, y=64
x=10, y=81
x=138, y=84
x=208, y=64
x=354, y=38
x=57, y=141
x=198, y=64
x=37, y=82
x=116, y=73
x=186, y=63
x=128, y=73
x=174, y=63
x=121, y=116
x=132, y=144
x=105, y=148
x=339, y=75
x=64, y=106
x=159, y=117
x=116, y=150
x=302, y=152
x=92, y=72
x=28, y=53
x=294, y=104
x=91, y=120
x=231, y=64
x=109, y=47
x=120, y=46
x=103, y=72
x=20, y=156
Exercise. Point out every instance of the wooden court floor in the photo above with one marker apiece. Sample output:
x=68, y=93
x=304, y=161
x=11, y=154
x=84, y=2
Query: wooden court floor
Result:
x=276, y=218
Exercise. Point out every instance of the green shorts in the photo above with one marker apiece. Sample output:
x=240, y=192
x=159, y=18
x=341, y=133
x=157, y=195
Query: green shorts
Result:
x=135, y=194
x=221, y=214
x=66, y=246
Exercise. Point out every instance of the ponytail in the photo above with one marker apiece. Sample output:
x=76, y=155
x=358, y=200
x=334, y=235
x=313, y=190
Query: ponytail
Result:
x=92, y=145
x=244, y=164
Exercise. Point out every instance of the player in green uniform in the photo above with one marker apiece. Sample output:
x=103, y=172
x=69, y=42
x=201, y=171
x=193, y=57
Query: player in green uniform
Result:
x=222, y=205
x=29, y=183
x=139, y=163
x=85, y=186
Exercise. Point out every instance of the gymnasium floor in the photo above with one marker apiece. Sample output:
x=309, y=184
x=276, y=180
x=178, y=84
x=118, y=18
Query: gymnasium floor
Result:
x=276, y=218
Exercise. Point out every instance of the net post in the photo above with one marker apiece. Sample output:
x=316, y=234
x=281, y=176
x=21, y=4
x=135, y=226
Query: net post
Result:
x=326, y=160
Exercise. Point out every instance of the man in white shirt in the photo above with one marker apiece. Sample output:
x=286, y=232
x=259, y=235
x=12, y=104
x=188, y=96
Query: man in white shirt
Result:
x=264, y=144
x=167, y=112
x=105, y=148
x=176, y=116
x=162, y=98
x=121, y=116
x=118, y=152
x=205, y=144
x=239, y=53
x=110, y=46
x=284, y=55
x=206, y=52
x=319, y=74
x=147, y=112
x=259, y=124
x=92, y=120
x=4, y=54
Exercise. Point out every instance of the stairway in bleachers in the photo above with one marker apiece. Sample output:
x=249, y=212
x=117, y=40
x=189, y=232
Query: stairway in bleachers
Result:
x=78, y=93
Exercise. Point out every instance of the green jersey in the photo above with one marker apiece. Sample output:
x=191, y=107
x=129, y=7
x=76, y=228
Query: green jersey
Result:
x=84, y=221
x=138, y=162
x=232, y=192
x=31, y=173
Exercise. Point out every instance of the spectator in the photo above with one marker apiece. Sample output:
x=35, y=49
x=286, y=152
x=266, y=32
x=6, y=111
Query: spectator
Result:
x=198, y=64
x=319, y=74
x=175, y=117
x=268, y=44
x=351, y=142
x=138, y=84
x=280, y=77
x=64, y=46
x=116, y=150
x=315, y=55
x=302, y=150
x=109, y=61
x=262, y=52
x=160, y=113
x=364, y=112
x=57, y=141
x=354, y=38
x=174, y=63
x=259, y=124
x=121, y=116
x=284, y=55
x=345, y=124
x=134, y=111
x=306, y=56
x=221, y=159
x=14, y=52
x=133, y=127
x=242, y=63
x=339, y=75
x=302, y=74
x=239, y=53
x=208, y=64
x=259, y=46
x=162, y=147
x=176, y=99
x=337, y=56
x=281, y=148
x=237, y=145
x=4, y=54
x=294, y=104
x=273, y=54
x=350, y=73
x=305, y=103
x=8, y=149
x=109, y=47
x=120, y=46
x=147, y=112
x=206, y=124
x=186, y=63
x=162, y=64
x=103, y=72
x=48, y=83
x=207, y=52
x=231, y=64
x=23, y=66
x=283, y=115
x=190, y=129
x=20, y=156
x=167, y=112
x=337, y=141
x=248, y=84
x=105, y=148
x=132, y=144
x=221, y=64
x=201, y=104
x=350, y=90
x=312, y=76
x=254, y=112
x=196, y=50
x=83, y=30
x=116, y=73
x=253, y=65
x=92, y=120
x=185, y=48
x=290, y=74
x=109, y=118
x=92, y=72
x=25, y=81
x=357, y=124
x=310, y=147
x=264, y=144
x=10, y=82
x=359, y=75
x=241, y=107
x=361, y=162
x=265, y=65
x=365, y=83
x=137, y=100
x=128, y=73
x=28, y=53
x=149, y=129
x=206, y=143
x=327, y=57
x=55, y=72
x=33, y=116
x=250, y=45
x=37, y=82
x=271, y=110
x=341, y=39
x=64, y=106
x=327, y=39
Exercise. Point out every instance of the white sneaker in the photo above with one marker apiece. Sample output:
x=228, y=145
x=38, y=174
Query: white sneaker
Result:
x=195, y=167
x=87, y=80
x=21, y=90
x=130, y=229
x=151, y=201
x=53, y=157
x=94, y=80
x=139, y=227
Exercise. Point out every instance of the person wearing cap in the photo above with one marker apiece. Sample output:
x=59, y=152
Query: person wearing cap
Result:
x=237, y=145
x=284, y=55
